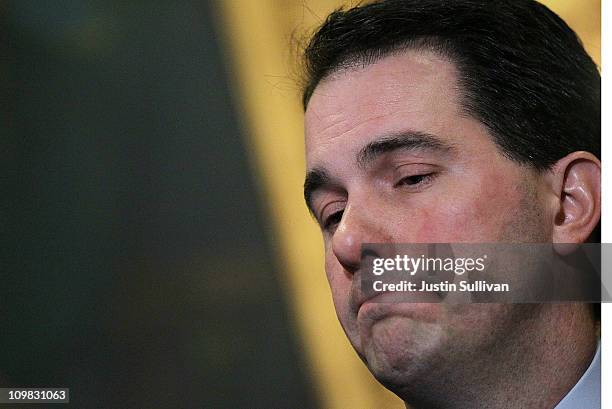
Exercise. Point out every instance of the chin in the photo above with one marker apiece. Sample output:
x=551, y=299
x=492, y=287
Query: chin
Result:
x=398, y=349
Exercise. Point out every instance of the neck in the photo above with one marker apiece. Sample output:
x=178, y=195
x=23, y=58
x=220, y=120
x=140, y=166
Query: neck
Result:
x=536, y=366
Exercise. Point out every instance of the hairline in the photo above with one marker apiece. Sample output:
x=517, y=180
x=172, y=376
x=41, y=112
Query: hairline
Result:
x=367, y=57
x=434, y=45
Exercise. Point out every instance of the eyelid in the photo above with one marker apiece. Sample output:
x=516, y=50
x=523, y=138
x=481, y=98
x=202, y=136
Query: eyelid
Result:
x=425, y=170
x=416, y=166
x=329, y=210
x=426, y=178
x=330, y=224
x=408, y=169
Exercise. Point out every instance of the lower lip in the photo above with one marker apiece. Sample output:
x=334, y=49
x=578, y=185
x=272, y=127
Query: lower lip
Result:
x=387, y=304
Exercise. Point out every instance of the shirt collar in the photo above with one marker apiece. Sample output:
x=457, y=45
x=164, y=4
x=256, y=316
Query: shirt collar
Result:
x=586, y=394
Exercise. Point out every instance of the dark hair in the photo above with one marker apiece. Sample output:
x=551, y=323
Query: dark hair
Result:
x=522, y=71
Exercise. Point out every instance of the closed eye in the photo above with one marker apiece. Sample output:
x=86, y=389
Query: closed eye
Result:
x=415, y=180
x=332, y=221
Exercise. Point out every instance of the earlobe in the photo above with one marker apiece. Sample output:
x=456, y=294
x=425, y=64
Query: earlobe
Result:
x=578, y=192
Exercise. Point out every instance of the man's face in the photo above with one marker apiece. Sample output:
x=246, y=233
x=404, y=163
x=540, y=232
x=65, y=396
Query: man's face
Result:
x=393, y=159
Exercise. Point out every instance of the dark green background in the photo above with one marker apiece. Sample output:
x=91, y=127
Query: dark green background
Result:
x=136, y=265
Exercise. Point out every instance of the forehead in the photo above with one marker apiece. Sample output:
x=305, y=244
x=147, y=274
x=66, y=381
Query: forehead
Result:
x=410, y=90
x=388, y=79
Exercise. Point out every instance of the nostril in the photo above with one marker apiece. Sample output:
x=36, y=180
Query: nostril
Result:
x=368, y=252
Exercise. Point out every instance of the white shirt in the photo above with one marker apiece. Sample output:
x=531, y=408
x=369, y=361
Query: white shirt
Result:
x=586, y=394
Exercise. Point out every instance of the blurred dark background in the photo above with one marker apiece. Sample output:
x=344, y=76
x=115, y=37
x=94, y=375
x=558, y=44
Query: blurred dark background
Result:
x=136, y=265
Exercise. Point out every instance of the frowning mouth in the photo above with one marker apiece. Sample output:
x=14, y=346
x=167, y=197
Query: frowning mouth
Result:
x=373, y=307
x=383, y=297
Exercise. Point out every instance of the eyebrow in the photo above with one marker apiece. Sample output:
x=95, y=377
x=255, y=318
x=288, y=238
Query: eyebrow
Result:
x=315, y=180
x=411, y=140
x=318, y=178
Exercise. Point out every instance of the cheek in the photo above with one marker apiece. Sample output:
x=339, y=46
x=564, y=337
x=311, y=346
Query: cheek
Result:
x=478, y=215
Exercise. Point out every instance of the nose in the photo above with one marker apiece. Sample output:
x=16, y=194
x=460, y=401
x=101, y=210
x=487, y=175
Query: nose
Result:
x=356, y=227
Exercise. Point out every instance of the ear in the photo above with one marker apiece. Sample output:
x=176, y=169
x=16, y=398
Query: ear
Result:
x=576, y=182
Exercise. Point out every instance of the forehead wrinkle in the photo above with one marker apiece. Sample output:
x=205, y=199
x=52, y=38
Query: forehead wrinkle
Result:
x=336, y=120
x=337, y=115
x=353, y=126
